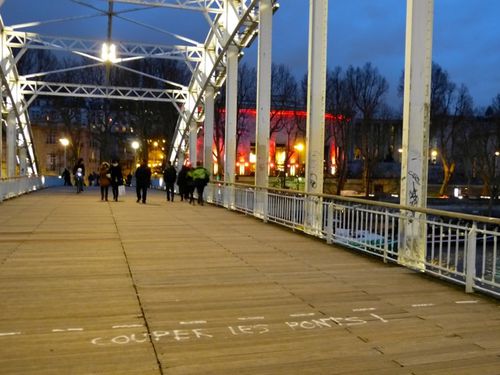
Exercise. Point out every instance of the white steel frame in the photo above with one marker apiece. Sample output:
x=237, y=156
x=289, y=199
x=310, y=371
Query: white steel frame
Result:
x=24, y=40
x=28, y=87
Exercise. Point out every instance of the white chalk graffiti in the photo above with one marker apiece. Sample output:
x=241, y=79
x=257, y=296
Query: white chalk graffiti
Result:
x=178, y=335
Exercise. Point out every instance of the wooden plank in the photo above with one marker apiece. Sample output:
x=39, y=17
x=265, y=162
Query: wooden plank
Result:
x=94, y=287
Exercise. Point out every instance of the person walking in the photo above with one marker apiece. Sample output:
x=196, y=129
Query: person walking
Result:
x=78, y=174
x=190, y=185
x=169, y=175
x=200, y=179
x=142, y=180
x=116, y=178
x=182, y=182
x=104, y=180
x=67, y=177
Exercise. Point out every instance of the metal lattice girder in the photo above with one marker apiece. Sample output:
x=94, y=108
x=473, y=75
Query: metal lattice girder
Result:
x=106, y=92
x=18, y=39
x=15, y=104
x=240, y=35
x=208, y=6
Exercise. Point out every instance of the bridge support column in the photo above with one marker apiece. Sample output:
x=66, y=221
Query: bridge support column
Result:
x=208, y=160
x=316, y=97
x=193, y=140
x=416, y=118
x=1, y=132
x=23, y=165
x=264, y=62
x=231, y=119
x=11, y=137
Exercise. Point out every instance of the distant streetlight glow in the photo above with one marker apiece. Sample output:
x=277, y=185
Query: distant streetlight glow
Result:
x=135, y=145
x=299, y=147
x=65, y=143
x=434, y=155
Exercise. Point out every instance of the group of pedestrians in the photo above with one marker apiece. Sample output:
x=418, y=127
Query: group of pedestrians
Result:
x=188, y=180
x=110, y=175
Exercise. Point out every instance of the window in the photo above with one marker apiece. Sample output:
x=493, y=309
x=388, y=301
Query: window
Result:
x=51, y=162
x=51, y=137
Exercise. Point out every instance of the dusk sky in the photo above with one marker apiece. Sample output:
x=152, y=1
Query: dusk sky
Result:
x=466, y=35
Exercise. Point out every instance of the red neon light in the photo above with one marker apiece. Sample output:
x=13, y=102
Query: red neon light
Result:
x=286, y=113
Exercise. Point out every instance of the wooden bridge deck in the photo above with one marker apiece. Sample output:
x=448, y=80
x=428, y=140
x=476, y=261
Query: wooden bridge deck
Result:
x=91, y=287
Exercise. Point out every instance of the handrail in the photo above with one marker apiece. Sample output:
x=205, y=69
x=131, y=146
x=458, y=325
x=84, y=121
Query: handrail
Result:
x=428, y=211
x=464, y=252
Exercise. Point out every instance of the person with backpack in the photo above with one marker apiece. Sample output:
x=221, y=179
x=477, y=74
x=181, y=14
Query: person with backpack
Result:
x=200, y=179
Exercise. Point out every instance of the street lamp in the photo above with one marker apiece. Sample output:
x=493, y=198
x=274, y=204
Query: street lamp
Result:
x=135, y=145
x=434, y=155
x=65, y=143
x=108, y=53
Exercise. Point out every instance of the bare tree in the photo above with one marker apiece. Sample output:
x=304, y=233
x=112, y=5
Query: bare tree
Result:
x=37, y=61
x=367, y=88
x=219, y=130
x=246, y=98
x=340, y=104
x=442, y=96
x=284, y=92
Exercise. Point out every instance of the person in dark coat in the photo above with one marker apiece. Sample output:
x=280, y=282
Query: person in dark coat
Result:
x=67, y=177
x=169, y=175
x=142, y=180
x=116, y=178
x=182, y=182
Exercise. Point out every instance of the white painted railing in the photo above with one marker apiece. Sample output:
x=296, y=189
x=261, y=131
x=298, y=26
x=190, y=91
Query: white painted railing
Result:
x=460, y=248
x=12, y=187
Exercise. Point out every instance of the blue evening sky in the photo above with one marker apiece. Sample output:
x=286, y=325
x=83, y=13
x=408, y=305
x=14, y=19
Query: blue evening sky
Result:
x=466, y=35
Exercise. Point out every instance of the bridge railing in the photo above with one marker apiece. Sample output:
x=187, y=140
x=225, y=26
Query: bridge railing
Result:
x=460, y=248
x=15, y=186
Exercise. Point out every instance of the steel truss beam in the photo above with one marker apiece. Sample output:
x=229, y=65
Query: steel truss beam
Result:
x=206, y=6
x=105, y=92
x=216, y=44
x=9, y=77
x=18, y=39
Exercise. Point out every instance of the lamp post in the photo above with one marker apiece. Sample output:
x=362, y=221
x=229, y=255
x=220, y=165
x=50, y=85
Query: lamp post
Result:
x=434, y=155
x=135, y=145
x=65, y=143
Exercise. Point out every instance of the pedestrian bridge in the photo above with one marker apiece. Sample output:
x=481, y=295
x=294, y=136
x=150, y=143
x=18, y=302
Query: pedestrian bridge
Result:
x=91, y=287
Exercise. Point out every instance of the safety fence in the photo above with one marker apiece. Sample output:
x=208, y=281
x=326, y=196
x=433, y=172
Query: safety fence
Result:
x=460, y=248
x=15, y=186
